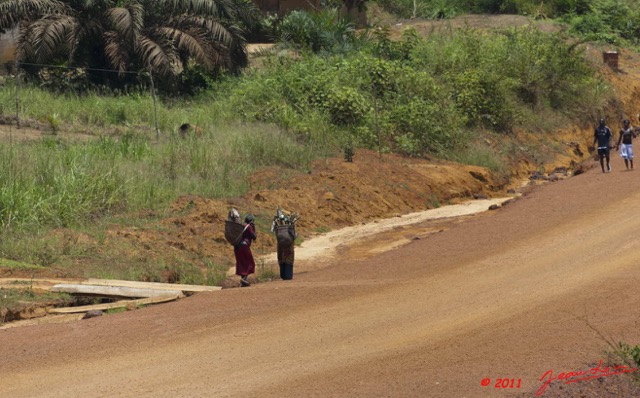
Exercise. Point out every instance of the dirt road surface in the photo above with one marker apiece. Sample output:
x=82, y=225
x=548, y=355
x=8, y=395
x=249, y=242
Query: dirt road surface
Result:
x=512, y=294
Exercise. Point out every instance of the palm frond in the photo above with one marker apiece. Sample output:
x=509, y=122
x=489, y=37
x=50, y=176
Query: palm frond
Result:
x=127, y=21
x=194, y=42
x=163, y=35
x=199, y=7
x=117, y=52
x=229, y=10
x=216, y=30
x=158, y=54
x=46, y=38
x=223, y=41
x=13, y=12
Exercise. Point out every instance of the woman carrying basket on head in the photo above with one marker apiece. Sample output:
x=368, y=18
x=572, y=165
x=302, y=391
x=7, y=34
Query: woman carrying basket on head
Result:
x=245, y=265
x=285, y=230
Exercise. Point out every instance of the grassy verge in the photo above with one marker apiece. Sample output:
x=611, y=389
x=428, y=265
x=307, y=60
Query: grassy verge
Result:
x=10, y=264
x=51, y=183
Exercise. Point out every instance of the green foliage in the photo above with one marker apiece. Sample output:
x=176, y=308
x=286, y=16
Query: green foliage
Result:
x=422, y=127
x=348, y=152
x=478, y=154
x=194, y=79
x=266, y=30
x=51, y=183
x=6, y=263
x=608, y=21
x=54, y=122
x=48, y=183
x=601, y=20
x=118, y=310
x=265, y=273
x=629, y=353
x=114, y=41
x=431, y=9
x=577, y=7
x=323, y=31
x=15, y=298
x=417, y=96
x=345, y=105
x=386, y=48
x=214, y=274
x=480, y=100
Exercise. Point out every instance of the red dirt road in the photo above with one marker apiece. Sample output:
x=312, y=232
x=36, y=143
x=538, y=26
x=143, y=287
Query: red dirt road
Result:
x=506, y=294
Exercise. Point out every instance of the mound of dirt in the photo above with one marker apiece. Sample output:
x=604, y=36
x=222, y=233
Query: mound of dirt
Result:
x=334, y=194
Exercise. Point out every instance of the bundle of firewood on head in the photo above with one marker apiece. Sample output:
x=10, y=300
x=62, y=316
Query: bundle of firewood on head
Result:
x=281, y=218
x=284, y=226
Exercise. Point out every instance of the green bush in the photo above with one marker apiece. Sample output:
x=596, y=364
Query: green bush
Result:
x=401, y=49
x=577, y=7
x=592, y=27
x=345, y=106
x=432, y=9
x=610, y=21
x=629, y=353
x=387, y=96
x=323, y=31
x=429, y=127
x=473, y=99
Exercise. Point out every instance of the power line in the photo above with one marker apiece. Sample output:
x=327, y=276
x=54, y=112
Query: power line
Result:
x=76, y=67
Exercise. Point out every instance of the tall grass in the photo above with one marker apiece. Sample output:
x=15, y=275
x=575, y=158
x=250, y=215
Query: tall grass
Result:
x=91, y=113
x=58, y=184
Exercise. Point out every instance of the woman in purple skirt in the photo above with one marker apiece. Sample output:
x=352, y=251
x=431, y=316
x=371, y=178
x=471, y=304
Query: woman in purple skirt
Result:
x=245, y=265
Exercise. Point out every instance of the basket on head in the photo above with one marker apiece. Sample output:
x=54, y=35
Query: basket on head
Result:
x=233, y=232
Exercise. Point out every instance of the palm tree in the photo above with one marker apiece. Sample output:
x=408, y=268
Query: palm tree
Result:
x=131, y=35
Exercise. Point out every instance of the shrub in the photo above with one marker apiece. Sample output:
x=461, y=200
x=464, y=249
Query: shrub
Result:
x=345, y=106
x=432, y=9
x=384, y=47
x=629, y=353
x=324, y=31
x=424, y=127
x=577, y=7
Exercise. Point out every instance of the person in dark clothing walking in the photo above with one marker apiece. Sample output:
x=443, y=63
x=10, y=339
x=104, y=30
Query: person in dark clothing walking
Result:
x=245, y=264
x=285, y=230
x=602, y=136
x=286, y=254
x=626, y=137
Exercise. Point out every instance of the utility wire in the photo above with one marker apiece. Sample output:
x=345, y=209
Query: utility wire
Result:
x=77, y=67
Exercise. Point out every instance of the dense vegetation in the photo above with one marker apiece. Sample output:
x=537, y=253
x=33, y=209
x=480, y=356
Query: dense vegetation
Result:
x=417, y=96
x=326, y=89
x=613, y=21
x=423, y=96
x=128, y=37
